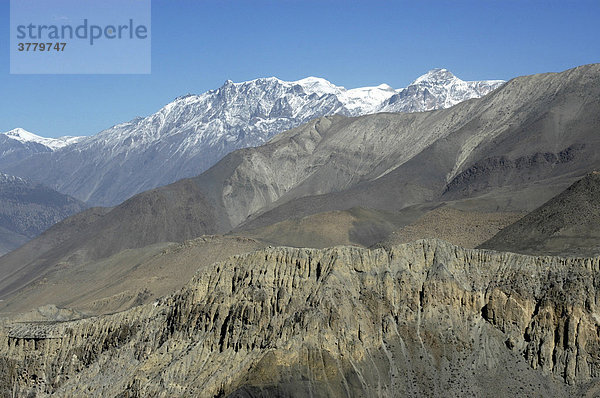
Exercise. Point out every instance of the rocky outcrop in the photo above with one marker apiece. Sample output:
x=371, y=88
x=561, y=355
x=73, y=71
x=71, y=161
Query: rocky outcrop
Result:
x=420, y=319
x=500, y=170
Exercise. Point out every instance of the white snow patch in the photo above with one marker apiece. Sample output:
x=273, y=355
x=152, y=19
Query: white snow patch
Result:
x=25, y=136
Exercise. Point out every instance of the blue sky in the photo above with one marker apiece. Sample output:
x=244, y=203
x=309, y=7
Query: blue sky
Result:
x=198, y=44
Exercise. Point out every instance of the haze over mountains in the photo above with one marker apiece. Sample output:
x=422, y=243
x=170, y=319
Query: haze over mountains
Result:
x=27, y=209
x=192, y=133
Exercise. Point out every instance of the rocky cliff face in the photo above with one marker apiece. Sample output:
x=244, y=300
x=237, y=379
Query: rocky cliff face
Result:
x=422, y=319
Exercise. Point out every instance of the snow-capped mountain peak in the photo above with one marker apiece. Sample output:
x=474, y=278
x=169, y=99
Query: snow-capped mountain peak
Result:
x=436, y=76
x=25, y=136
x=319, y=86
x=436, y=89
x=365, y=100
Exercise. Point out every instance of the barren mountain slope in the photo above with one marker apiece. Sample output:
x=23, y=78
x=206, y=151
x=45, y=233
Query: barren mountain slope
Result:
x=173, y=213
x=418, y=320
x=193, y=132
x=10, y=240
x=462, y=228
x=123, y=280
x=515, y=148
x=244, y=182
x=568, y=224
x=356, y=226
x=329, y=154
x=384, y=162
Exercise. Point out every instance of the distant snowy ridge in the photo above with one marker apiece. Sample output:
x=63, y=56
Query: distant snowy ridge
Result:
x=437, y=89
x=192, y=133
x=25, y=136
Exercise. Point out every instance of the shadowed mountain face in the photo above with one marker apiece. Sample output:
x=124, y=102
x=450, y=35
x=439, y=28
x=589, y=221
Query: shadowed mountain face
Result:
x=565, y=225
x=426, y=319
x=27, y=209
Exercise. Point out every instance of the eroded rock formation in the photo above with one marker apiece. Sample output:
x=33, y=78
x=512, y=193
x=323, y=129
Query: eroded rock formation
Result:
x=420, y=319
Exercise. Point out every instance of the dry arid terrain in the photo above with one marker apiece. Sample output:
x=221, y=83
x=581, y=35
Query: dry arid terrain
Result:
x=122, y=281
x=462, y=228
x=443, y=253
x=566, y=225
x=421, y=319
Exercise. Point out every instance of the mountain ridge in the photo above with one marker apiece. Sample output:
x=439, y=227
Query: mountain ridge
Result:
x=189, y=135
x=24, y=136
x=528, y=124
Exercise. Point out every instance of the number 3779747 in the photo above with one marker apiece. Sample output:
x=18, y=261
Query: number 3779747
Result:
x=41, y=47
